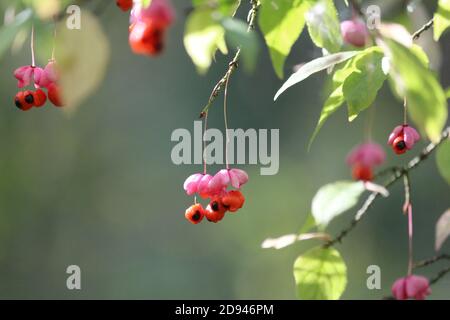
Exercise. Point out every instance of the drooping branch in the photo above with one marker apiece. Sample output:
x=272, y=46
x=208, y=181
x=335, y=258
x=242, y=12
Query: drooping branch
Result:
x=233, y=64
x=397, y=174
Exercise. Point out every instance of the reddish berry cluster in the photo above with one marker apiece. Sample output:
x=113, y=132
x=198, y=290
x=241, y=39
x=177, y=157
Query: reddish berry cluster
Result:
x=27, y=99
x=148, y=25
x=231, y=201
x=215, y=188
x=403, y=138
x=41, y=78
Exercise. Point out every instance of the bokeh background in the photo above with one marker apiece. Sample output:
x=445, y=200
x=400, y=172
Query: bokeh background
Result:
x=97, y=187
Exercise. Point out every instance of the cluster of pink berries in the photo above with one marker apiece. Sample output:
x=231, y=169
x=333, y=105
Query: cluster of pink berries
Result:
x=216, y=189
x=41, y=78
x=364, y=157
x=148, y=25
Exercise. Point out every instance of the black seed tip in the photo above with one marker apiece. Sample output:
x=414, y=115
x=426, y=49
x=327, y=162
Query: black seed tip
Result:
x=18, y=104
x=29, y=98
x=400, y=145
x=215, y=206
x=196, y=216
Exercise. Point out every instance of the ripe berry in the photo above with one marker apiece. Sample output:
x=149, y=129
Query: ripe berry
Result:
x=147, y=37
x=354, y=32
x=233, y=200
x=195, y=213
x=54, y=95
x=361, y=172
x=125, y=5
x=215, y=211
x=29, y=97
x=399, y=145
x=39, y=98
x=20, y=101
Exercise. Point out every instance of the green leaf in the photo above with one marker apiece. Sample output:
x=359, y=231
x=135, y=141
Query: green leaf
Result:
x=331, y=105
x=82, y=57
x=335, y=198
x=427, y=104
x=204, y=33
x=441, y=19
x=281, y=22
x=336, y=98
x=323, y=26
x=8, y=32
x=443, y=160
x=320, y=274
x=237, y=35
x=360, y=88
x=202, y=37
x=314, y=66
x=308, y=225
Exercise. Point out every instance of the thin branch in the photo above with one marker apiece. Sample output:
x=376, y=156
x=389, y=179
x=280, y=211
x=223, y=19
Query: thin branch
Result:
x=233, y=64
x=439, y=275
x=430, y=261
x=394, y=178
x=425, y=27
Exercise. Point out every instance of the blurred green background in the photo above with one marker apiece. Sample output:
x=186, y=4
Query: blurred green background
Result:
x=97, y=188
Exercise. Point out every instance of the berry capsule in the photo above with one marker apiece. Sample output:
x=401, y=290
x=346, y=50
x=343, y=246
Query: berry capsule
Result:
x=195, y=213
x=20, y=102
x=215, y=211
x=233, y=200
x=54, y=95
x=147, y=37
x=361, y=172
x=39, y=98
x=399, y=145
x=28, y=96
x=124, y=5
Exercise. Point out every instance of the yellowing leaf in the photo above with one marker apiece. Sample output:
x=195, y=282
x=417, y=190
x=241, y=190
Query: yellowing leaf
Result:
x=47, y=9
x=82, y=57
x=320, y=274
x=441, y=19
x=281, y=22
x=203, y=36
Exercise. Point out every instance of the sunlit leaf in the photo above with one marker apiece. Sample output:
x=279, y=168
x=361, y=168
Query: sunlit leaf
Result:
x=323, y=26
x=443, y=160
x=281, y=22
x=441, y=19
x=320, y=274
x=314, y=66
x=8, y=32
x=334, y=199
x=82, y=57
x=46, y=9
x=361, y=87
x=442, y=230
x=427, y=104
